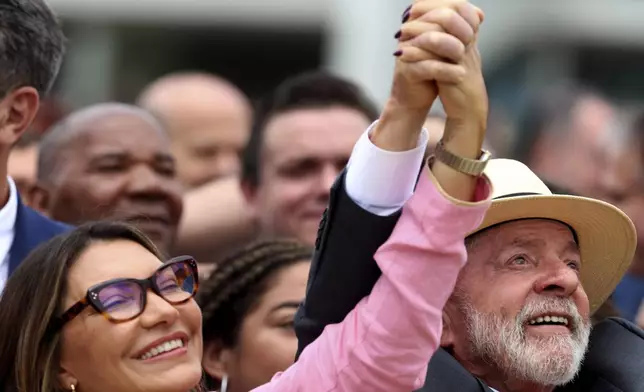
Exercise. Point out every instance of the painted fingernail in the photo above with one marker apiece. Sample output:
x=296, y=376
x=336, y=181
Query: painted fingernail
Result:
x=406, y=10
x=405, y=17
x=398, y=34
x=398, y=53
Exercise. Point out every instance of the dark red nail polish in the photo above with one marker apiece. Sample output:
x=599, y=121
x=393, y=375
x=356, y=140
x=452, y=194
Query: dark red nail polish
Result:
x=398, y=34
x=406, y=10
x=398, y=53
x=405, y=17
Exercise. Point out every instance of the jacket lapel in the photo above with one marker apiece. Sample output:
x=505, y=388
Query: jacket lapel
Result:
x=445, y=374
x=23, y=241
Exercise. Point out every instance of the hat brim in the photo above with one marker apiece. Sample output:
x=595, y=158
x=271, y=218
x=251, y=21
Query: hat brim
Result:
x=607, y=237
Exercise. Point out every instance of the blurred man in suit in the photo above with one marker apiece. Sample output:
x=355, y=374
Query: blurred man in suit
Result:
x=32, y=48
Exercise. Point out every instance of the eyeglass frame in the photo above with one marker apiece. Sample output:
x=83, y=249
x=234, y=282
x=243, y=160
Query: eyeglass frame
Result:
x=91, y=297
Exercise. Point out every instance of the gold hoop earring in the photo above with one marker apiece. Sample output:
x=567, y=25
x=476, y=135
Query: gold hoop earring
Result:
x=73, y=387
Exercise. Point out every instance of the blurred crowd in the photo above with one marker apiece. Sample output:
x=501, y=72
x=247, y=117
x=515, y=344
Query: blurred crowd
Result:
x=241, y=186
x=192, y=143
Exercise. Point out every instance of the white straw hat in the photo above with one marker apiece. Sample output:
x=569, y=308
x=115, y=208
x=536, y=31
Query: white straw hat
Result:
x=606, y=236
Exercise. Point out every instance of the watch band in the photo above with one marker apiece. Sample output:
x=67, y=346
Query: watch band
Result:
x=472, y=167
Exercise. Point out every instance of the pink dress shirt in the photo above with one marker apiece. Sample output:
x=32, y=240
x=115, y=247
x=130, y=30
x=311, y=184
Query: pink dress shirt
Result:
x=385, y=343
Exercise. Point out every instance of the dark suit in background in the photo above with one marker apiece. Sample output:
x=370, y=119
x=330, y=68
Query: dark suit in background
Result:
x=30, y=230
x=348, y=238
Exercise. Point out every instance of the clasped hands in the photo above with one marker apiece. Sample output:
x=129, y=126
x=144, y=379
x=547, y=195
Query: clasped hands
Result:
x=438, y=57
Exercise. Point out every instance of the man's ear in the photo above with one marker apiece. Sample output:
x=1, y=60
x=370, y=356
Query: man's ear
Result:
x=447, y=335
x=19, y=108
x=217, y=360
x=39, y=198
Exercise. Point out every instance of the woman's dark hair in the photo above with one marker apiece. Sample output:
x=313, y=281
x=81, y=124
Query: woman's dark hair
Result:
x=239, y=282
x=32, y=300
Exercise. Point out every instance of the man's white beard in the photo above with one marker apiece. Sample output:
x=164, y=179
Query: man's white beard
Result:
x=548, y=361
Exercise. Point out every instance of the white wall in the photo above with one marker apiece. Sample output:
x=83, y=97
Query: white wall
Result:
x=361, y=31
x=281, y=13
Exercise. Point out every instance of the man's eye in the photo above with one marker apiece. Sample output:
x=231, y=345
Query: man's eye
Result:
x=520, y=260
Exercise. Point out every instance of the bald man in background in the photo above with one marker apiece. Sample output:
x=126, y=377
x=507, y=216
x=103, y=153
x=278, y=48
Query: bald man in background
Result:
x=110, y=161
x=208, y=120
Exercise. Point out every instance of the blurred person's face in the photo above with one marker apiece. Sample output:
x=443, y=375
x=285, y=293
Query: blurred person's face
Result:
x=22, y=168
x=208, y=137
x=100, y=355
x=573, y=161
x=267, y=342
x=122, y=169
x=640, y=316
x=622, y=184
x=303, y=152
x=519, y=317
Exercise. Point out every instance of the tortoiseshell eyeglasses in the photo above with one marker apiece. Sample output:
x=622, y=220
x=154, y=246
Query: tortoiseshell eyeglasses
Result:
x=120, y=300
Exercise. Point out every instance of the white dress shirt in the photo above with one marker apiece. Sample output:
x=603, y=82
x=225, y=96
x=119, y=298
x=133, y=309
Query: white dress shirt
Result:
x=382, y=181
x=8, y=215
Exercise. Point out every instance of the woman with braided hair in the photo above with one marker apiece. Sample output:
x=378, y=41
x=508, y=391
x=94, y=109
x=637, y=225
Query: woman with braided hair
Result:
x=248, y=305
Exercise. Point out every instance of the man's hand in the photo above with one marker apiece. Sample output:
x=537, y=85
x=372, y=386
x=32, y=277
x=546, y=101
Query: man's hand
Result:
x=434, y=42
x=438, y=56
x=435, y=48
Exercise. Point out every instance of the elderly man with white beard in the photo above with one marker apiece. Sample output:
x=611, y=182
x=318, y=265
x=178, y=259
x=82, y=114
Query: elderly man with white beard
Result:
x=538, y=265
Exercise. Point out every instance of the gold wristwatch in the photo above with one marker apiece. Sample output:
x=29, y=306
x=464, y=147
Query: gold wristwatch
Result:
x=472, y=167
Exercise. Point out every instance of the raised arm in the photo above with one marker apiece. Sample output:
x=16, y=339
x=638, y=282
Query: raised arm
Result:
x=385, y=343
x=350, y=233
x=366, y=198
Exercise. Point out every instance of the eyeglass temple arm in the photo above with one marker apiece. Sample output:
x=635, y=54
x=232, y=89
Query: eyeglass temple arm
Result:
x=72, y=312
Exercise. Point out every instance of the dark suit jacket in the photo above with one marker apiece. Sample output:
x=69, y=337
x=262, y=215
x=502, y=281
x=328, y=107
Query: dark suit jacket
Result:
x=31, y=229
x=343, y=272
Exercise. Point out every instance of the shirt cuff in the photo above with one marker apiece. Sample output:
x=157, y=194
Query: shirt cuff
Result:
x=482, y=191
x=382, y=181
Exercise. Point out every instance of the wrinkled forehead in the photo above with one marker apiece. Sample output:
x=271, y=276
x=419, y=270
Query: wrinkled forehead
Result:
x=535, y=233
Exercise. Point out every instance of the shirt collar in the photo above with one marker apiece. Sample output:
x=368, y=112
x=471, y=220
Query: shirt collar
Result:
x=9, y=211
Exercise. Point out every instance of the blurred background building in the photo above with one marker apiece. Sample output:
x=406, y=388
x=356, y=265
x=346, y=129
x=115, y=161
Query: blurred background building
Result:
x=117, y=46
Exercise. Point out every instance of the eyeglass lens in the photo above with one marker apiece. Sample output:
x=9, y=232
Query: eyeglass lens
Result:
x=124, y=300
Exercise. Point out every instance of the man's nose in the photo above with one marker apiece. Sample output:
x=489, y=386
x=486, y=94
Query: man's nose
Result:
x=559, y=278
x=144, y=180
x=328, y=175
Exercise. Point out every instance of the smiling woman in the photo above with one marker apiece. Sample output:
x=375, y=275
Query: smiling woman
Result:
x=69, y=320
x=248, y=308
